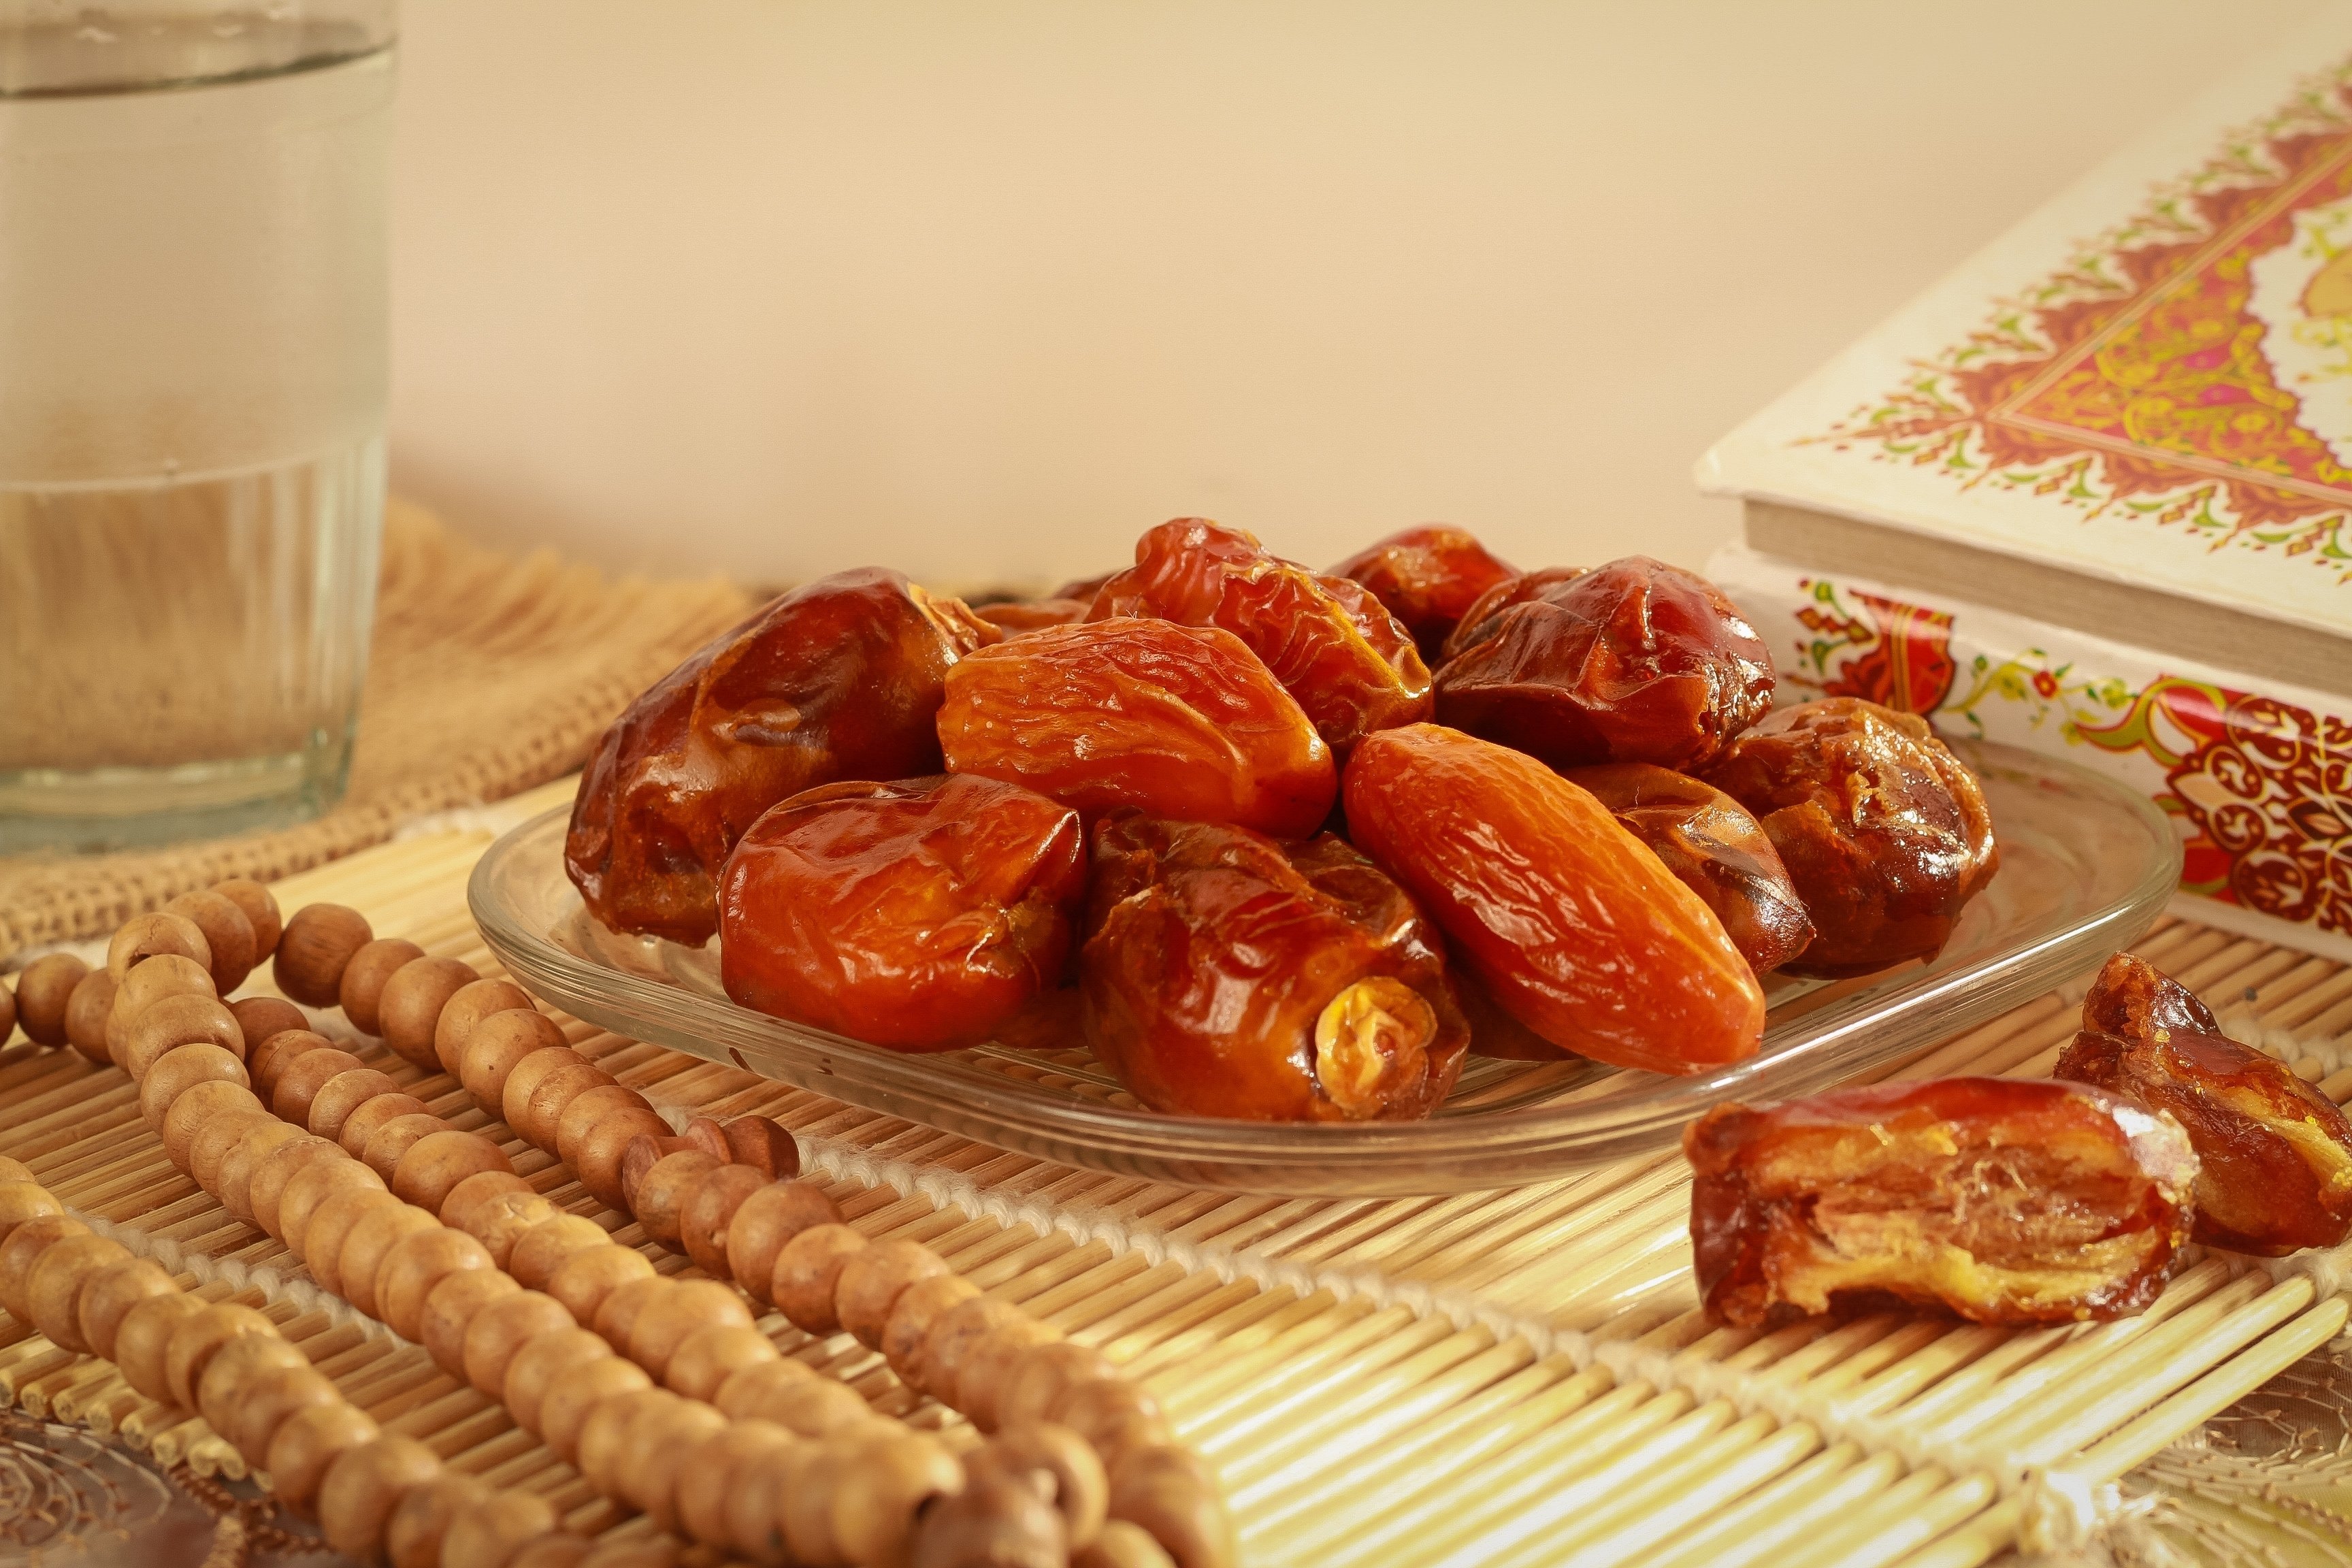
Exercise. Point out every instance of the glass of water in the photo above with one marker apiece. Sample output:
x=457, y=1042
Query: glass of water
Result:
x=192, y=379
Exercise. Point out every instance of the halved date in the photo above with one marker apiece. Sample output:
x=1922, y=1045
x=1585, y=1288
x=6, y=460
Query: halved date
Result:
x=1332, y=646
x=1714, y=847
x=1175, y=720
x=2276, y=1154
x=2000, y=1200
x=1225, y=974
x=1427, y=578
x=918, y=916
x=1576, y=927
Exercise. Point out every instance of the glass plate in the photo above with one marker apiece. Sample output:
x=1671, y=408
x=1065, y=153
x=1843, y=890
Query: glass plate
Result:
x=2085, y=865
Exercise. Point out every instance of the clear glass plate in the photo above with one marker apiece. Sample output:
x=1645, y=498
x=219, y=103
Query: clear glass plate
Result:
x=2085, y=867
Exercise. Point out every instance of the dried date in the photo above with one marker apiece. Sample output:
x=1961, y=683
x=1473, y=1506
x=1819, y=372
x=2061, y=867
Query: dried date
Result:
x=1632, y=662
x=1884, y=832
x=1225, y=974
x=1330, y=643
x=1575, y=926
x=1427, y=578
x=1175, y=720
x=1477, y=621
x=1999, y=1200
x=2275, y=1154
x=1714, y=847
x=917, y=916
x=841, y=679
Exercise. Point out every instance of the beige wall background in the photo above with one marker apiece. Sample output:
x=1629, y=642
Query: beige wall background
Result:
x=983, y=289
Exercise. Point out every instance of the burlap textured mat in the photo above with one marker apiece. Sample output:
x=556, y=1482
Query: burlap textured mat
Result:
x=489, y=674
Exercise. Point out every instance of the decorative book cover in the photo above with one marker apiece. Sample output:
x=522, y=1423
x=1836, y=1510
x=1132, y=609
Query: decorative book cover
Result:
x=2130, y=415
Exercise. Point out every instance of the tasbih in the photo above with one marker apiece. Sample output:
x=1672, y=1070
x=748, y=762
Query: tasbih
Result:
x=661, y=1392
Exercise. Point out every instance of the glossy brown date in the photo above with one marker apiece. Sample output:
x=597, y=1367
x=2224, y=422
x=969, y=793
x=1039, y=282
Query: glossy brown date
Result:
x=2000, y=1200
x=840, y=678
x=2276, y=1154
x=1330, y=643
x=1632, y=662
x=1019, y=617
x=1174, y=721
x=1228, y=975
x=1427, y=578
x=1715, y=848
x=1575, y=927
x=1883, y=830
x=918, y=915
x=1477, y=621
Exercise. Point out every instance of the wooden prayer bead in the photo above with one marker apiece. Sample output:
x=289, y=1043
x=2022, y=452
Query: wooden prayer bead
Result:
x=1040, y=1377
x=874, y=1505
x=811, y=1405
x=261, y=1017
x=987, y=1368
x=270, y=1399
x=419, y=1521
x=1121, y=1546
x=954, y=1335
x=541, y=1366
x=313, y=949
x=807, y=1514
x=710, y=1205
x=274, y=1171
x=365, y=973
x=14, y=1171
x=195, y=1339
x=638, y=1553
x=255, y=1139
x=767, y=1220
x=583, y=1279
x=539, y=1250
x=502, y=1221
x=1073, y=1480
x=754, y=1506
x=142, y=937
x=708, y=1357
x=663, y=1440
x=299, y=1081
x=22, y=1251
x=341, y=1095
x=144, y=1336
x=466, y=1006
x=602, y=1138
x=415, y=1265
x=269, y=1060
x=434, y=1165
x=231, y=1371
x=54, y=1286
x=410, y=1008
x=469, y=1196
x=564, y=1408
x=991, y=1524
x=708, y=1479
x=331, y=1226
x=228, y=934
x=658, y=1196
x=1115, y=1414
x=172, y=1022
x=763, y=1144
x=450, y=1308
x=194, y=1108
x=396, y=1138
x=686, y=1308
x=485, y=1532
x=807, y=1275
x=86, y=1011
x=918, y=1307
x=502, y=1328
x=551, y=1093
x=359, y=1266
x=182, y=1069
x=7, y=1013
x=607, y=1447
x=22, y=1201
x=216, y=1140
x=870, y=1280
x=1174, y=1495
x=311, y=1186
x=166, y=975
x=111, y=1293
x=556, y=1549
x=495, y=1044
x=260, y=907
x=43, y=990
x=306, y=1444
x=368, y=1117
x=524, y=1077
x=364, y=1486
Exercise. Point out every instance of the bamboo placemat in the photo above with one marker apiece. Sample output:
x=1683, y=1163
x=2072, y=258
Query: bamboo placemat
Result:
x=1508, y=1377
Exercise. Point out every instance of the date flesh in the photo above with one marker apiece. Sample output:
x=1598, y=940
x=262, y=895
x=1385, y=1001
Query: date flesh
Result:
x=918, y=916
x=1884, y=832
x=1175, y=720
x=1632, y=662
x=1575, y=926
x=1427, y=578
x=1346, y=659
x=1999, y=1200
x=1715, y=848
x=2276, y=1154
x=840, y=678
x=1477, y=621
x=1229, y=975
x=1019, y=616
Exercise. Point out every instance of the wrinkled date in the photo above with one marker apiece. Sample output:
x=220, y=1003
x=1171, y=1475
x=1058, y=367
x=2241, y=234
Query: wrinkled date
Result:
x=2276, y=1154
x=1883, y=831
x=1176, y=720
x=1575, y=927
x=1330, y=643
x=1632, y=662
x=840, y=678
x=1477, y=621
x=2002, y=1200
x=1716, y=848
x=1228, y=975
x=1427, y=578
x=918, y=915
x=1019, y=617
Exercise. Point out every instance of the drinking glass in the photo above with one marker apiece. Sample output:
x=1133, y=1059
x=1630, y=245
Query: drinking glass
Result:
x=192, y=379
